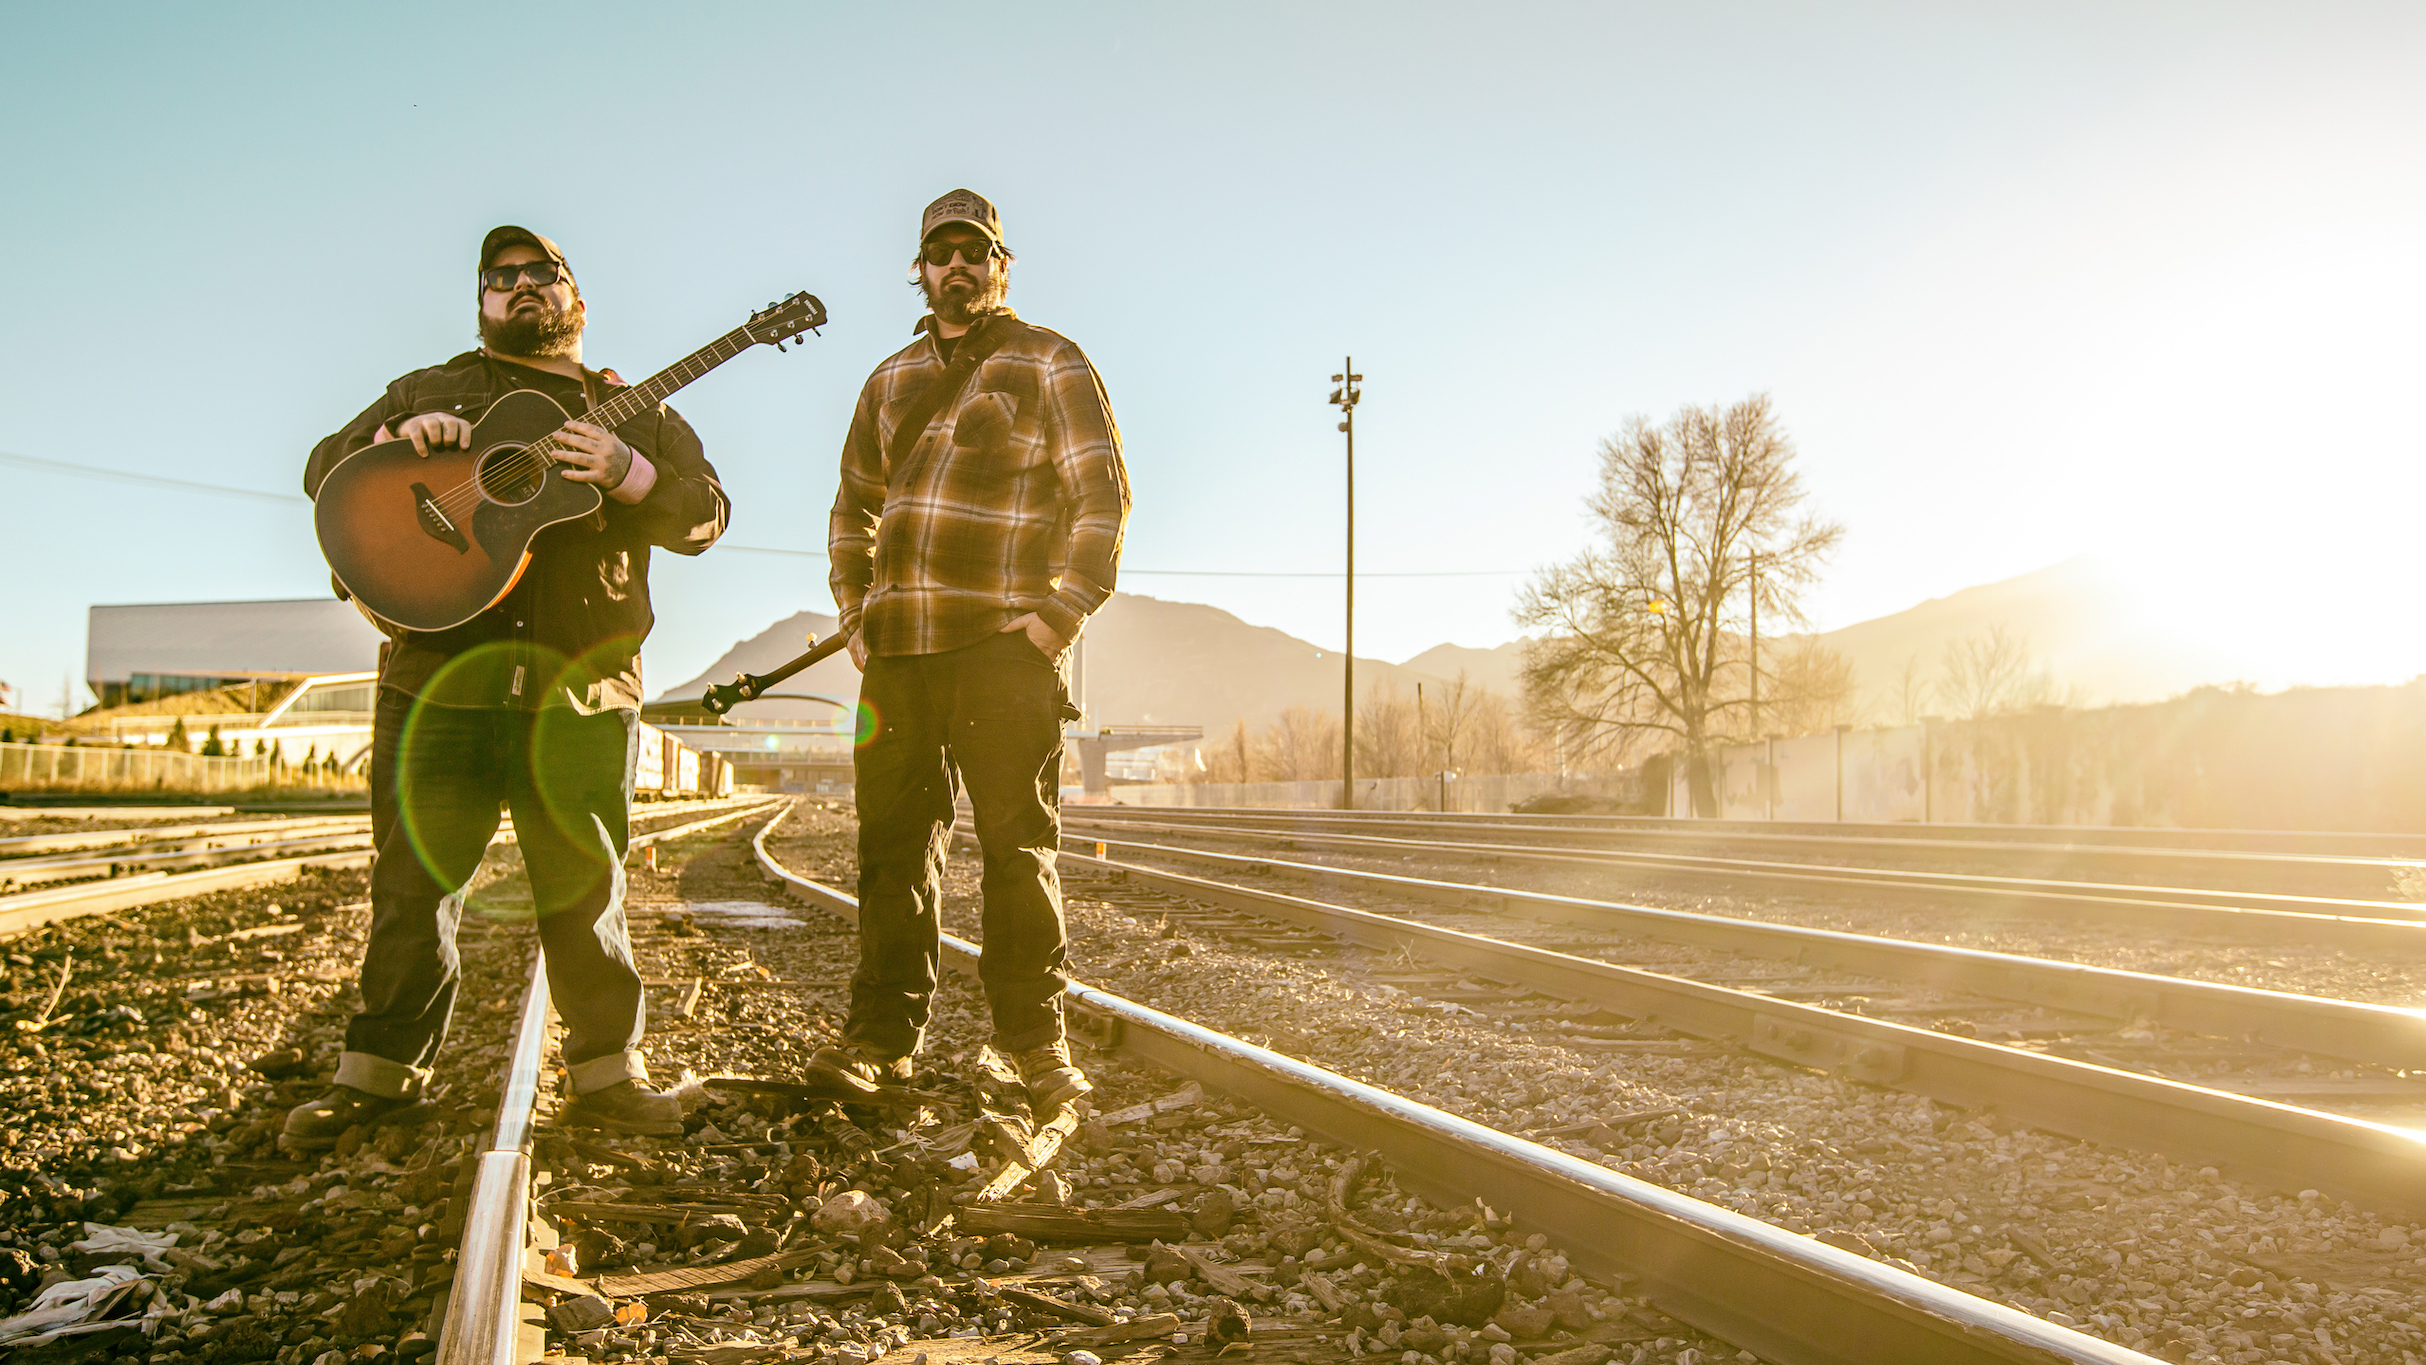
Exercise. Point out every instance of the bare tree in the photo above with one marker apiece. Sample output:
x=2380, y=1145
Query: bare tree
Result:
x=1991, y=673
x=1389, y=739
x=1499, y=742
x=1636, y=636
x=1912, y=692
x=1305, y=745
x=1447, y=718
x=1230, y=760
x=1815, y=689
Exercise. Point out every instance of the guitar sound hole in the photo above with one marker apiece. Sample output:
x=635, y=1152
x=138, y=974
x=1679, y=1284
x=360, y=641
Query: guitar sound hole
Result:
x=509, y=474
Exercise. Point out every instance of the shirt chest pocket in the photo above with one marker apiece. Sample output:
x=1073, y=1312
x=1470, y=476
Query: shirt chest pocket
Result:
x=989, y=423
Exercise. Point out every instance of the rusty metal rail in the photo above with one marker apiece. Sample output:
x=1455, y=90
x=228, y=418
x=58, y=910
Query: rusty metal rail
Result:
x=2378, y=1166
x=2381, y=1035
x=1785, y=1297
x=2297, y=860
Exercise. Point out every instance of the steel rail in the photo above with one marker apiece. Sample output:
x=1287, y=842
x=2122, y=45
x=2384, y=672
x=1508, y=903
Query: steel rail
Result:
x=2356, y=1031
x=1926, y=890
x=1700, y=863
x=657, y=836
x=35, y=871
x=30, y=845
x=2381, y=1035
x=483, y=1311
x=2255, y=872
x=1785, y=1297
x=483, y=1307
x=2086, y=839
x=2376, y=1165
x=36, y=908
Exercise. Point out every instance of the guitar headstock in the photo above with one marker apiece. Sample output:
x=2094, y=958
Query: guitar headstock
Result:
x=780, y=322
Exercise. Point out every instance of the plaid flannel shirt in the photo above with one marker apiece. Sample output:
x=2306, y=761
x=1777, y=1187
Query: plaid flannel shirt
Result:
x=1012, y=499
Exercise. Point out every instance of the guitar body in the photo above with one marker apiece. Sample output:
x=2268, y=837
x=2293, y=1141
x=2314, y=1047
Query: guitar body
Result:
x=426, y=544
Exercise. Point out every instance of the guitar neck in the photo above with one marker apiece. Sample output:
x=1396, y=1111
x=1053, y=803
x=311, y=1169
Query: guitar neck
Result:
x=660, y=386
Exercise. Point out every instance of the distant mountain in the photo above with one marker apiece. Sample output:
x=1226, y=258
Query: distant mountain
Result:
x=1148, y=661
x=831, y=677
x=2090, y=632
x=1144, y=661
x=1181, y=663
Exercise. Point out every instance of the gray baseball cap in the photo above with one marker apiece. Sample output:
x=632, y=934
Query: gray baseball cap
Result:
x=960, y=206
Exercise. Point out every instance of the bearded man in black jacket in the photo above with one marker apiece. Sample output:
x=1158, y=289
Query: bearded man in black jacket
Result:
x=532, y=704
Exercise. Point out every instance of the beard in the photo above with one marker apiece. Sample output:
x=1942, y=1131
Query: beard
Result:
x=960, y=304
x=545, y=331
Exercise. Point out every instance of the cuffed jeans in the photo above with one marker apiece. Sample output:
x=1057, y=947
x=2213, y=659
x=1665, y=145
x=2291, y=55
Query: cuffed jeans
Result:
x=988, y=716
x=438, y=774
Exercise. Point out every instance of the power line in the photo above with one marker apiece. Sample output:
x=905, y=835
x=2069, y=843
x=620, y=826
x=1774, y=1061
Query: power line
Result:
x=1126, y=571
x=89, y=471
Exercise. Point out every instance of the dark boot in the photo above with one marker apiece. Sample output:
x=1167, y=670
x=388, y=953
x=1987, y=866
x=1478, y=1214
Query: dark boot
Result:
x=1053, y=1080
x=315, y=1126
x=857, y=1067
x=625, y=1107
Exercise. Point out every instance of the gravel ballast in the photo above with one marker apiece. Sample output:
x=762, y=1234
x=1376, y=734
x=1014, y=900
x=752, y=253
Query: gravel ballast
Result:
x=2176, y=1261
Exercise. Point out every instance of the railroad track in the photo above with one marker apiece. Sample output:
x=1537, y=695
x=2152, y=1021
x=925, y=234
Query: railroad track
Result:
x=205, y=848
x=2269, y=917
x=1645, y=1250
x=95, y=884
x=162, y=835
x=2384, y=1037
x=1783, y=1297
x=2375, y=1165
x=2357, y=866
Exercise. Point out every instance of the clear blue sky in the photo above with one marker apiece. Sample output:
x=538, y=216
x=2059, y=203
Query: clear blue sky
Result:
x=2025, y=280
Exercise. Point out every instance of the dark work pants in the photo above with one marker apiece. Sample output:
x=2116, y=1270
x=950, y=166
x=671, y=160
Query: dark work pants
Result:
x=438, y=774
x=987, y=717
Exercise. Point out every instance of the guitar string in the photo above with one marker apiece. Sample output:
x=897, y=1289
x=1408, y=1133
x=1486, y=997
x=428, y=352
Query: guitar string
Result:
x=536, y=457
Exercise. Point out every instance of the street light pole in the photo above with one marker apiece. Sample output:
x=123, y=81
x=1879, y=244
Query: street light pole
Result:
x=1344, y=398
x=1769, y=777
x=1755, y=557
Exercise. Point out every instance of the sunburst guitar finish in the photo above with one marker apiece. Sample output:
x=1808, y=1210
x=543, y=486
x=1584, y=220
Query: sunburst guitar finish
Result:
x=429, y=543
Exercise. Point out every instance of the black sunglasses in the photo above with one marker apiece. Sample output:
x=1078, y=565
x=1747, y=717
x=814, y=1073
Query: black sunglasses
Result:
x=541, y=273
x=974, y=250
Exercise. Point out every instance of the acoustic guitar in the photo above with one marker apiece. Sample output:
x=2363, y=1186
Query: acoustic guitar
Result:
x=426, y=544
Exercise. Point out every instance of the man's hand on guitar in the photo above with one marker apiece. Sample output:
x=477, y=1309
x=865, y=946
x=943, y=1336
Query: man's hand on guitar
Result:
x=859, y=652
x=427, y=430
x=597, y=455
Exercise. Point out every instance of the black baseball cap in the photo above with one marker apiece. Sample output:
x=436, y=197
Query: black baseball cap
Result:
x=500, y=238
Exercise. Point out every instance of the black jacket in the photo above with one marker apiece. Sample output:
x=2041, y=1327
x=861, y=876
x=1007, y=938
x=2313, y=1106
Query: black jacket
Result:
x=572, y=626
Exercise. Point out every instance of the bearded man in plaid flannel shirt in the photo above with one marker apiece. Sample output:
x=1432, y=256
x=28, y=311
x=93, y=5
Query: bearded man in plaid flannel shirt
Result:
x=977, y=527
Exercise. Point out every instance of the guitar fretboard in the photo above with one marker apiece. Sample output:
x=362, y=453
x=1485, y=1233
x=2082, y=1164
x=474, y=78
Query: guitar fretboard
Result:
x=655, y=389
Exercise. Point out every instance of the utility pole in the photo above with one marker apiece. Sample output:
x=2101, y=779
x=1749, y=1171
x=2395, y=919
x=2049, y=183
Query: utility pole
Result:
x=1344, y=398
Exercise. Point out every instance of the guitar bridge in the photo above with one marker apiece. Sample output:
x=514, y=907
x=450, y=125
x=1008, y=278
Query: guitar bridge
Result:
x=435, y=521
